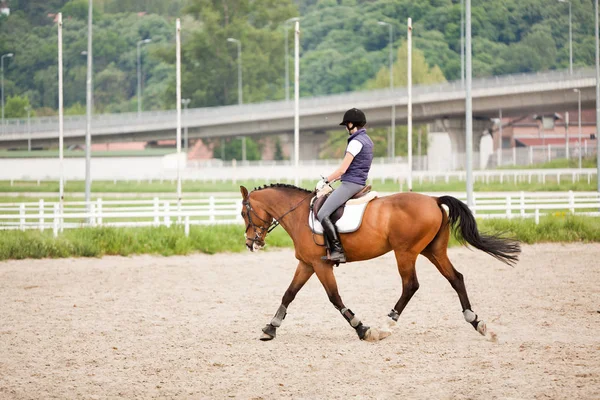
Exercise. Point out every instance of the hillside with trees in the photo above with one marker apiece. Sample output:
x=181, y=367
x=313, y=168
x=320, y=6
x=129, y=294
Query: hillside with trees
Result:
x=343, y=47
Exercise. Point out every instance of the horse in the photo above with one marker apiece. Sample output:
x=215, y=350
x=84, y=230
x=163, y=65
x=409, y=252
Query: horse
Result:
x=408, y=224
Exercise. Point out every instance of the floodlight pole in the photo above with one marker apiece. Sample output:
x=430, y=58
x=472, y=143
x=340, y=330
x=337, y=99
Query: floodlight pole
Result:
x=409, y=84
x=60, y=113
x=469, y=109
x=89, y=100
x=297, y=100
x=178, y=100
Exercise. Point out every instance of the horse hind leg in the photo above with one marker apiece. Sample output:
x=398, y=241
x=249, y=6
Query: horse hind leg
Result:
x=301, y=276
x=440, y=259
x=410, y=283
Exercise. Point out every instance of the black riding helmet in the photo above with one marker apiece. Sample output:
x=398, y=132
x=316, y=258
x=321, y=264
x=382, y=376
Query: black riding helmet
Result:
x=355, y=116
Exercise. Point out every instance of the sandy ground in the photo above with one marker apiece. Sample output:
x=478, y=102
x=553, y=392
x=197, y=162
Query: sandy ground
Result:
x=187, y=327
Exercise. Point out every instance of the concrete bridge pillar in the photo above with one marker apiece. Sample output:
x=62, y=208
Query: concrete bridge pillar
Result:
x=447, y=144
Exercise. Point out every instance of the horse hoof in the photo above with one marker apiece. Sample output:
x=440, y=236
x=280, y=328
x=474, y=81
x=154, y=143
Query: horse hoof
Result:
x=482, y=328
x=374, y=335
x=265, y=337
x=268, y=333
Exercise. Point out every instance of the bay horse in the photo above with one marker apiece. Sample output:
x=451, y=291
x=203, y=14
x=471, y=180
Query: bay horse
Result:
x=408, y=224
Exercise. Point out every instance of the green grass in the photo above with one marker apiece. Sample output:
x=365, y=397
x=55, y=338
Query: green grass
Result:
x=81, y=153
x=142, y=187
x=589, y=162
x=96, y=242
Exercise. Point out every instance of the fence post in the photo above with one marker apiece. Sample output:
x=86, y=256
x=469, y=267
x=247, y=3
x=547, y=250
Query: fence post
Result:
x=41, y=215
x=508, y=207
x=530, y=155
x=571, y=202
x=99, y=211
x=558, y=177
x=211, y=209
x=522, y=204
x=22, y=219
x=537, y=216
x=56, y=220
x=187, y=226
x=156, y=212
x=549, y=152
x=92, y=214
x=167, y=218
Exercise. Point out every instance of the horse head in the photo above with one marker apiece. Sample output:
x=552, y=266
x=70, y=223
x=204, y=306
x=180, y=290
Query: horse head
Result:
x=257, y=220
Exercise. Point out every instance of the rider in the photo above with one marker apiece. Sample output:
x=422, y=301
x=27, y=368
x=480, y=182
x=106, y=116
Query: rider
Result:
x=353, y=173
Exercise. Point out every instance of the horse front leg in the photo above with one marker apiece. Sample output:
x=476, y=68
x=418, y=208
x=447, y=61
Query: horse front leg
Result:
x=325, y=274
x=301, y=276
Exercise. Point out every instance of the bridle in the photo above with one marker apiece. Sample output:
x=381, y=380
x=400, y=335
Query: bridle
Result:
x=268, y=226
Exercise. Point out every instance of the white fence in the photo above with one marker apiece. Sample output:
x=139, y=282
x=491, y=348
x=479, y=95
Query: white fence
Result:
x=43, y=215
x=379, y=173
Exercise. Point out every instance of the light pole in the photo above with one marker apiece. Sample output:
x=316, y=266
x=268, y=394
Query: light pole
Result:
x=240, y=102
x=185, y=103
x=462, y=43
x=8, y=55
x=287, y=62
x=88, y=113
x=469, y=107
x=597, y=97
x=28, y=109
x=570, y=38
x=139, y=75
x=392, y=150
x=579, y=123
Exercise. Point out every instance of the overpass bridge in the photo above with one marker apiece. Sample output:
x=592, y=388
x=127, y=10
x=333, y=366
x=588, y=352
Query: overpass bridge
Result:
x=516, y=95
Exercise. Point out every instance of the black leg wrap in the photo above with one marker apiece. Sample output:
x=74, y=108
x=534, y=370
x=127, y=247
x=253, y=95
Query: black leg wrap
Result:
x=394, y=315
x=269, y=330
x=361, y=330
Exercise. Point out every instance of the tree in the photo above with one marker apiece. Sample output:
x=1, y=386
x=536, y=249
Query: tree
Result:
x=232, y=149
x=15, y=107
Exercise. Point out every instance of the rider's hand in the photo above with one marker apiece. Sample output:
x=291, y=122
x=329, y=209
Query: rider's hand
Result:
x=321, y=184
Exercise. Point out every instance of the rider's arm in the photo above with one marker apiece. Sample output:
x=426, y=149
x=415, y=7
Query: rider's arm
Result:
x=341, y=169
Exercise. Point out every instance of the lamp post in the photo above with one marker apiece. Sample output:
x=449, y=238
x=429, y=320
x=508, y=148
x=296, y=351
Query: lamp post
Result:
x=469, y=107
x=240, y=102
x=579, y=123
x=287, y=61
x=392, y=150
x=8, y=55
x=185, y=103
x=139, y=75
x=88, y=113
x=462, y=43
x=570, y=38
x=28, y=109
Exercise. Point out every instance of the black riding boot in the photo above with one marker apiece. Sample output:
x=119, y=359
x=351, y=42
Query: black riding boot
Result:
x=336, y=251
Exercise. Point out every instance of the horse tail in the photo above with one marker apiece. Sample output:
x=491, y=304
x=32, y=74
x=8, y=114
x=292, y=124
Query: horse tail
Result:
x=464, y=226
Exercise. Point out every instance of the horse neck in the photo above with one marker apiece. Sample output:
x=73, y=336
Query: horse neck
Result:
x=278, y=201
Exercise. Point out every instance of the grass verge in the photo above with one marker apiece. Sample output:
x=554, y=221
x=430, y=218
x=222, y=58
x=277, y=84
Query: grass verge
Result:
x=96, y=242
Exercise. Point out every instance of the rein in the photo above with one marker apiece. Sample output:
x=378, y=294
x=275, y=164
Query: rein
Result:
x=272, y=225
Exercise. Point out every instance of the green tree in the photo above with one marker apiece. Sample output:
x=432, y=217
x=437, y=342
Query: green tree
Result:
x=16, y=107
x=232, y=149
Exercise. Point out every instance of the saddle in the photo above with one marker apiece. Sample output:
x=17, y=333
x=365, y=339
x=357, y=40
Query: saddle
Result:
x=337, y=214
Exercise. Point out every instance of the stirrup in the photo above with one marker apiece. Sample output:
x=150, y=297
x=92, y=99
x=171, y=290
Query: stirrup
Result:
x=340, y=259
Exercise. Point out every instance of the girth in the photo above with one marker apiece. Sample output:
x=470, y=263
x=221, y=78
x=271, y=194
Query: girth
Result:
x=337, y=214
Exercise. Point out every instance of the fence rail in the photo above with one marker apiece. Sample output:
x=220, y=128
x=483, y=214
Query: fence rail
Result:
x=213, y=210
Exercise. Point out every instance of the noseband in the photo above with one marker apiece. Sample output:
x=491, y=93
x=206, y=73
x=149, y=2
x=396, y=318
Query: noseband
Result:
x=258, y=229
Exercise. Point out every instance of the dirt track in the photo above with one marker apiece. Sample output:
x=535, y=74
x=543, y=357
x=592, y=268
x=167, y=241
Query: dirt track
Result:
x=153, y=327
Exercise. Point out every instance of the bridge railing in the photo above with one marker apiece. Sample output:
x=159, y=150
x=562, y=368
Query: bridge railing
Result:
x=42, y=215
x=235, y=112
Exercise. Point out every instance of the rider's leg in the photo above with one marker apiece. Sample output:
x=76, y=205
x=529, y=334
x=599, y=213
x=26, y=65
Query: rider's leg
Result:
x=339, y=196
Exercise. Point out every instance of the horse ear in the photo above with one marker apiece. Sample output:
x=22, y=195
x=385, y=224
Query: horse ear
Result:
x=244, y=192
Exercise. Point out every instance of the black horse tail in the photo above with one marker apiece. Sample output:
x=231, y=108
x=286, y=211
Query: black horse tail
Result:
x=464, y=226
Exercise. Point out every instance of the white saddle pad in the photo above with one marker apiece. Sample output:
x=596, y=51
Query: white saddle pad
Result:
x=351, y=219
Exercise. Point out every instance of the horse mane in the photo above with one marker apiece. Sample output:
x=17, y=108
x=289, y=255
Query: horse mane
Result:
x=281, y=186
